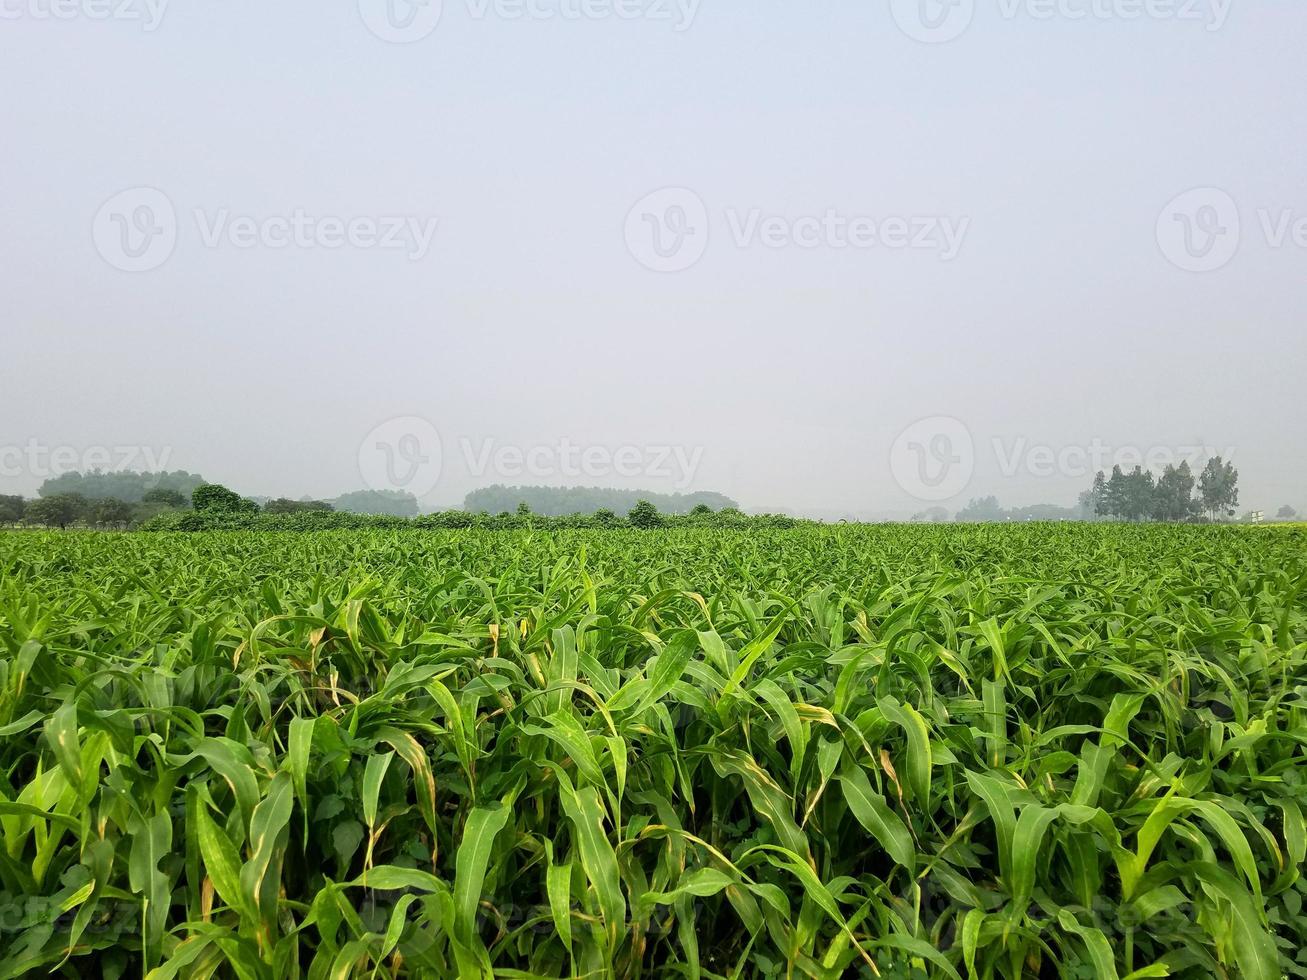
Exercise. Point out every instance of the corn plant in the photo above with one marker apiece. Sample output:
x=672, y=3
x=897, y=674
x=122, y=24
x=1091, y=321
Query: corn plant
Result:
x=980, y=752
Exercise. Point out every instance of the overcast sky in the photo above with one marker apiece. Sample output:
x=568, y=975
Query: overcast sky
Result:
x=858, y=256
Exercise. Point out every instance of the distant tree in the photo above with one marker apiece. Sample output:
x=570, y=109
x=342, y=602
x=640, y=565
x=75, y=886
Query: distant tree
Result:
x=645, y=515
x=395, y=503
x=127, y=485
x=931, y=515
x=11, y=509
x=1174, y=495
x=109, y=511
x=1098, y=500
x=218, y=499
x=166, y=496
x=981, y=510
x=701, y=510
x=284, y=506
x=606, y=518
x=523, y=509
x=1138, y=499
x=1044, y=512
x=1116, y=499
x=58, y=510
x=1285, y=513
x=1218, y=488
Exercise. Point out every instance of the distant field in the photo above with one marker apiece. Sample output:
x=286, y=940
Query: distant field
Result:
x=1064, y=750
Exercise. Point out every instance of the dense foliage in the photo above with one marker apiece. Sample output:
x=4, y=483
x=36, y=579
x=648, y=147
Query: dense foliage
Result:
x=126, y=485
x=643, y=516
x=947, y=751
x=1175, y=495
x=283, y=505
x=393, y=503
x=214, y=498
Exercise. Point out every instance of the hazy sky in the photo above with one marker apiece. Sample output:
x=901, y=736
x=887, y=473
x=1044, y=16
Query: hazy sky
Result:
x=854, y=256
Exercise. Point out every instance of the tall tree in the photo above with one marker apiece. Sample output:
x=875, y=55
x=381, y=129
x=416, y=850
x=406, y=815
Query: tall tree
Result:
x=166, y=496
x=57, y=510
x=11, y=509
x=108, y=511
x=1175, y=492
x=1116, y=496
x=1218, y=487
x=1097, y=500
x=1139, y=489
x=218, y=499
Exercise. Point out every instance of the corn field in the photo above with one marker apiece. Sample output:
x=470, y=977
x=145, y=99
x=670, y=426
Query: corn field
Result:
x=964, y=752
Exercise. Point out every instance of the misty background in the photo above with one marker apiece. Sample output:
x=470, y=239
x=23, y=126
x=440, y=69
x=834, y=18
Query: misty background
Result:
x=786, y=371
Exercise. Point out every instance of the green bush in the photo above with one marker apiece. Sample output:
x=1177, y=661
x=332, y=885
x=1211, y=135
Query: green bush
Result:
x=645, y=516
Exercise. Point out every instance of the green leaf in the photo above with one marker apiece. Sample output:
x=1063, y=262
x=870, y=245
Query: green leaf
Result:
x=871, y=810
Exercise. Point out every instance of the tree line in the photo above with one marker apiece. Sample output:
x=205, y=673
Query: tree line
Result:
x=228, y=512
x=1176, y=495
x=126, y=498
x=187, y=501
